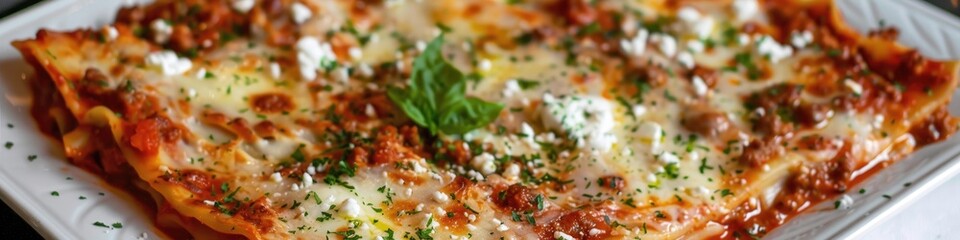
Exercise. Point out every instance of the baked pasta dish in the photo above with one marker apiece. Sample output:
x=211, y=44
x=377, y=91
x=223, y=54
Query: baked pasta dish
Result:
x=484, y=119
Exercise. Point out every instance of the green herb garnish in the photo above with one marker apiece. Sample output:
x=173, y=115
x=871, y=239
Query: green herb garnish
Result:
x=436, y=97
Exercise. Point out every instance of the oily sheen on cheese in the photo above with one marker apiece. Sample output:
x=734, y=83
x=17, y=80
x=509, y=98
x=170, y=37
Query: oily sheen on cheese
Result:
x=616, y=119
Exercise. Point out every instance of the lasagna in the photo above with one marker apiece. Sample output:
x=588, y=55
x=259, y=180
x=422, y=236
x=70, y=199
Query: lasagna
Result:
x=484, y=119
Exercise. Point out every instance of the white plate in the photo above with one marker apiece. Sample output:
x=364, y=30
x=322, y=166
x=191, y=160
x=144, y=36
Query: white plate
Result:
x=27, y=185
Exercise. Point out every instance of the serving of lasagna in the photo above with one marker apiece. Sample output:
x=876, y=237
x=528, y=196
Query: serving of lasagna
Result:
x=484, y=119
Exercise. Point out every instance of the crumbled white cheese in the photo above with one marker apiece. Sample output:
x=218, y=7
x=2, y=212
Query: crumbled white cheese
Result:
x=511, y=172
x=637, y=45
x=638, y=110
x=699, y=86
x=110, y=33
x=485, y=65
x=585, y=118
x=562, y=236
x=365, y=70
x=503, y=228
x=485, y=163
x=510, y=88
x=355, y=53
x=311, y=170
x=594, y=232
x=307, y=180
x=209, y=202
x=703, y=191
x=276, y=177
x=370, y=111
x=169, y=63
x=275, y=70
x=350, y=208
x=743, y=39
x=695, y=46
x=801, y=39
x=440, y=197
x=696, y=23
x=301, y=13
x=668, y=158
x=341, y=74
x=854, y=87
x=745, y=9
x=650, y=133
x=242, y=6
x=161, y=31
x=420, y=45
x=769, y=47
x=312, y=56
x=201, y=73
x=685, y=59
x=666, y=43
x=845, y=202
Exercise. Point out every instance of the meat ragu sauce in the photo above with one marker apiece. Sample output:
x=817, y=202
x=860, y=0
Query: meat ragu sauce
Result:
x=106, y=160
x=903, y=77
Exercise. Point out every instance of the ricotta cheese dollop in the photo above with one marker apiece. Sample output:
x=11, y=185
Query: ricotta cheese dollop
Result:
x=587, y=119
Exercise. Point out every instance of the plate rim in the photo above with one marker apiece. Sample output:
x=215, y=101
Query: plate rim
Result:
x=44, y=221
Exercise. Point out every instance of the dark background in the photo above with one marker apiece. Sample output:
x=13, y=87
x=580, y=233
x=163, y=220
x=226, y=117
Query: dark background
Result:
x=13, y=227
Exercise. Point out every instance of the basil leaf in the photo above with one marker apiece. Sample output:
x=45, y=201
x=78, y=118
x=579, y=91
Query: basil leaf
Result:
x=436, y=97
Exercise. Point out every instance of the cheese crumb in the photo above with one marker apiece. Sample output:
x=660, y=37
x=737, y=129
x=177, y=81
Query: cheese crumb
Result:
x=276, y=177
x=355, y=53
x=275, y=70
x=313, y=56
x=745, y=9
x=161, y=31
x=696, y=46
x=440, y=197
x=651, y=133
x=110, y=33
x=668, y=158
x=562, y=236
x=699, y=86
x=242, y=6
x=801, y=39
x=666, y=43
x=686, y=60
x=307, y=180
x=301, y=13
x=770, y=48
x=350, y=208
x=485, y=65
x=637, y=45
x=169, y=63
x=485, y=163
x=201, y=73
x=854, y=87
x=594, y=232
x=370, y=111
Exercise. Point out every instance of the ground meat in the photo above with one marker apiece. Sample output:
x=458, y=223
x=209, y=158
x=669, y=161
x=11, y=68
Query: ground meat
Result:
x=758, y=152
x=710, y=124
x=576, y=223
x=709, y=76
x=258, y=213
x=811, y=114
x=271, y=103
x=774, y=109
x=516, y=197
x=389, y=146
x=937, y=127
